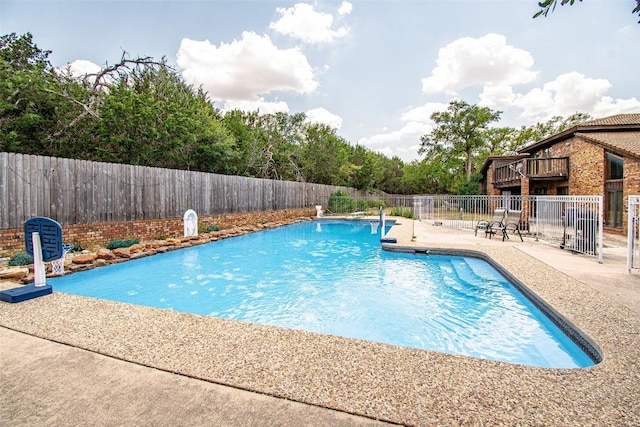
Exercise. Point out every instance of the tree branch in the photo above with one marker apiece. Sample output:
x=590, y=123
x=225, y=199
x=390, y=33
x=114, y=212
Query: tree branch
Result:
x=547, y=6
x=87, y=108
x=126, y=64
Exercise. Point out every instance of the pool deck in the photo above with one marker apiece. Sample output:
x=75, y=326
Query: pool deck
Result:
x=70, y=360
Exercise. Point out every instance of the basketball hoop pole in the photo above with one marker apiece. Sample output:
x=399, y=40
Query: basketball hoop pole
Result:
x=39, y=276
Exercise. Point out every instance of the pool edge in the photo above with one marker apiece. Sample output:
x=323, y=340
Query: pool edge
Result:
x=573, y=332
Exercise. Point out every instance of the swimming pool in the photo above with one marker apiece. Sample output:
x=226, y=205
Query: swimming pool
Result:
x=332, y=277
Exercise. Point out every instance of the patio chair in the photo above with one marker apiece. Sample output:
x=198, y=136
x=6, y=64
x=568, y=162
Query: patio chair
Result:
x=511, y=223
x=488, y=226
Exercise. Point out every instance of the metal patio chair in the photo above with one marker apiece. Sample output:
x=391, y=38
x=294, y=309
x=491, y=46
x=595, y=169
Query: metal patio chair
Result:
x=511, y=223
x=489, y=226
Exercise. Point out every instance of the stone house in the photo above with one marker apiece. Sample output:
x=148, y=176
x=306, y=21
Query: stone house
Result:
x=597, y=157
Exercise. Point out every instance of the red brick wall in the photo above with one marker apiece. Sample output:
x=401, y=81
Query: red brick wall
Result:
x=90, y=236
x=491, y=190
x=587, y=163
x=586, y=166
x=587, y=175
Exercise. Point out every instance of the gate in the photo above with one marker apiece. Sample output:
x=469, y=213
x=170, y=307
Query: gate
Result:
x=578, y=218
x=574, y=222
x=633, y=236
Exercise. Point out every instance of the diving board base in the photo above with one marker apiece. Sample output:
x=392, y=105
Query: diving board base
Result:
x=24, y=293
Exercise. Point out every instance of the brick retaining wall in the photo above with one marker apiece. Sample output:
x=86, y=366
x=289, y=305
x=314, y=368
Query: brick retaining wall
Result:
x=100, y=234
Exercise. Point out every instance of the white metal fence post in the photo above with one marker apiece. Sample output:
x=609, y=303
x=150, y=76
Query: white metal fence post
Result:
x=633, y=223
x=600, y=228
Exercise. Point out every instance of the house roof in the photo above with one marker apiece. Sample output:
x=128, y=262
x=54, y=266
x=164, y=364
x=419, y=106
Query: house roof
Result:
x=620, y=132
x=626, y=142
x=617, y=120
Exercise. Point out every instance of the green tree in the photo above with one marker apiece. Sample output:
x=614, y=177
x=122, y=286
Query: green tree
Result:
x=141, y=112
x=80, y=99
x=244, y=130
x=460, y=133
x=537, y=132
x=547, y=6
x=214, y=149
x=75, y=133
x=151, y=117
x=323, y=155
x=283, y=136
x=428, y=177
x=27, y=109
x=393, y=172
x=498, y=141
x=367, y=172
x=472, y=186
x=268, y=144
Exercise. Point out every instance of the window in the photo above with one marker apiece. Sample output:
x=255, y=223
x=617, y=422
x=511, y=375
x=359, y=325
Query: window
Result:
x=615, y=167
x=614, y=204
x=614, y=191
x=563, y=191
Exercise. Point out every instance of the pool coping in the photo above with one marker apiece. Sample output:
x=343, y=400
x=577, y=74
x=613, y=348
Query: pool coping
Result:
x=385, y=382
x=574, y=333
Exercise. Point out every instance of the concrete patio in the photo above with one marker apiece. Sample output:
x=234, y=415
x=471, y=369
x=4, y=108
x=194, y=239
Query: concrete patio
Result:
x=68, y=360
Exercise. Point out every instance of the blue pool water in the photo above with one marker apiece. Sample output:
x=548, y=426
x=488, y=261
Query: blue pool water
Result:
x=333, y=277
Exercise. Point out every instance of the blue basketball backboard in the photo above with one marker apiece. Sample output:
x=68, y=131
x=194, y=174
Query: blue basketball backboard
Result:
x=50, y=237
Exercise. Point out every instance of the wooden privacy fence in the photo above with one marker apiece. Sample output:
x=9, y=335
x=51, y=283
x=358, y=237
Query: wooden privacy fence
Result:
x=85, y=192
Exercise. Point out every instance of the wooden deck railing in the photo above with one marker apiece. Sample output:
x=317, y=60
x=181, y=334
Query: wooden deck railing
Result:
x=543, y=168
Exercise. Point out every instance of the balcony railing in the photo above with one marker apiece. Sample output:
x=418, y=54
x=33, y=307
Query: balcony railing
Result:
x=552, y=168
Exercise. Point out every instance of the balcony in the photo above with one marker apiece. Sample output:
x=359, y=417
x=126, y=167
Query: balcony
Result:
x=542, y=169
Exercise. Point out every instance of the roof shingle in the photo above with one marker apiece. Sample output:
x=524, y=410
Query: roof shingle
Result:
x=626, y=142
x=617, y=120
x=619, y=132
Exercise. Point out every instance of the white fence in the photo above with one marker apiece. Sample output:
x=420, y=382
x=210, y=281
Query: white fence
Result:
x=574, y=222
x=633, y=234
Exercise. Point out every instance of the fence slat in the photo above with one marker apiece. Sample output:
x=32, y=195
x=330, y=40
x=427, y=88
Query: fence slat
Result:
x=79, y=191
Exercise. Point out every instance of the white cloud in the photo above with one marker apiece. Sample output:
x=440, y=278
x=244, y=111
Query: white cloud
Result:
x=478, y=61
x=609, y=106
x=321, y=115
x=345, y=8
x=497, y=67
x=387, y=151
x=303, y=22
x=82, y=67
x=570, y=93
x=422, y=114
x=405, y=142
x=497, y=96
x=264, y=107
x=244, y=69
x=411, y=130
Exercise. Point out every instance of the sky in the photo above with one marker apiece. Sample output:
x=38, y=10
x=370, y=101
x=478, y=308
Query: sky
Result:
x=375, y=70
